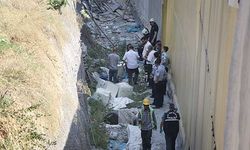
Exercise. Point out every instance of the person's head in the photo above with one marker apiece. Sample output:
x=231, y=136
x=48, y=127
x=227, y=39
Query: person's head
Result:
x=114, y=50
x=156, y=54
x=152, y=21
x=145, y=31
x=158, y=45
x=158, y=61
x=129, y=47
x=150, y=48
x=158, y=42
x=165, y=48
x=146, y=103
x=171, y=106
x=144, y=40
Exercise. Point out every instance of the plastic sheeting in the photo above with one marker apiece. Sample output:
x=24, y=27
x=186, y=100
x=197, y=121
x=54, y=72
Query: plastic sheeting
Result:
x=127, y=116
x=125, y=90
x=120, y=102
x=134, y=136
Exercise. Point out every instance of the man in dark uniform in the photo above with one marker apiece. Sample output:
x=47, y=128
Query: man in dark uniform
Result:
x=159, y=75
x=153, y=31
x=170, y=125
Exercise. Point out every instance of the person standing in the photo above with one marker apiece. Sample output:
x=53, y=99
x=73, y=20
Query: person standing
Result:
x=149, y=61
x=113, y=60
x=153, y=31
x=131, y=59
x=147, y=122
x=145, y=51
x=160, y=74
x=165, y=58
x=170, y=126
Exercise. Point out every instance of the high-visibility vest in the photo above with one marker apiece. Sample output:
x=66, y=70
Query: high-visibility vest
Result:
x=151, y=110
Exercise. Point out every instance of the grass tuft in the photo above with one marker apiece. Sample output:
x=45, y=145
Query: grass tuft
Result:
x=99, y=136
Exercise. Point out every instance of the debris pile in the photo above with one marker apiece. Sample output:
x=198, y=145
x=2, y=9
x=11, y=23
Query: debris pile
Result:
x=113, y=23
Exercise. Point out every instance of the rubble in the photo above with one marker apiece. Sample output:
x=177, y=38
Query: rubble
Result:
x=128, y=116
x=117, y=132
x=125, y=90
x=116, y=22
x=103, y=95
x=120, y=102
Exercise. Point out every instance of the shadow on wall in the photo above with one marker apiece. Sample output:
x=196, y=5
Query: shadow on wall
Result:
x=78, y=137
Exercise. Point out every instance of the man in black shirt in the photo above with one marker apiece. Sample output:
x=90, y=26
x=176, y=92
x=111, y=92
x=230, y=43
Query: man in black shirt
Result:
x=170, y=125
x=153, y=32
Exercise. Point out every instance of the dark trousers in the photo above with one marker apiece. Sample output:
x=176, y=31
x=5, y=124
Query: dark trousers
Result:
x=130, y=75
x=170, y=140
x=146, y=139
x=159, y=93
x=165, y=86
x=148, y=69
x=113, y=75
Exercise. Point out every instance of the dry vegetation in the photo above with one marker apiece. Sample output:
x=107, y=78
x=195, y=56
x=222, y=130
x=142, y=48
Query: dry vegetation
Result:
x=29, y=73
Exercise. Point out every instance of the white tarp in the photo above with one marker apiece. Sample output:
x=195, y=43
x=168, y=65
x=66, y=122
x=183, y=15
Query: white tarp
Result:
x=103, y=95
x=134, y=138
x=125, y=90
x=127, y=116
x=120, y=102
x=113, y=88
x=100, y=82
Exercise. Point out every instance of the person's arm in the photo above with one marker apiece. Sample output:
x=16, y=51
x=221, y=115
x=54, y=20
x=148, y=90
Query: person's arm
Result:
x=154, y=36
x=139, y=118
x=161, y=125
x=154, y=120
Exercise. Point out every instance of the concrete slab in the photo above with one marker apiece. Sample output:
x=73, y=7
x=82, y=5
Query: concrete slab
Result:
x=127, y=116
x=113, y=88
x=103, y=95
x=120, y=102
x=125, y=90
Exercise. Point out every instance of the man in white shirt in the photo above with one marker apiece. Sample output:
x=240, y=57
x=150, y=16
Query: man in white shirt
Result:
x=150, y=58
x=145, y=48
x=131, y=58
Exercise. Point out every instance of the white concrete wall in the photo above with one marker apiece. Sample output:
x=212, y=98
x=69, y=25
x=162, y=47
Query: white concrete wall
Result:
x=200, y=36
x=237, y=129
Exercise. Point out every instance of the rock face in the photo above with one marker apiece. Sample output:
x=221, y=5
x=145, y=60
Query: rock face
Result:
x=73, y=131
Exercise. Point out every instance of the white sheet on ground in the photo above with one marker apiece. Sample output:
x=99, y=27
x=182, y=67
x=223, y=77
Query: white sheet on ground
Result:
x=127, y=116
x=103, y=95
x=125, y=90
x=134, y=138
x=120, y=102
x=113, y=88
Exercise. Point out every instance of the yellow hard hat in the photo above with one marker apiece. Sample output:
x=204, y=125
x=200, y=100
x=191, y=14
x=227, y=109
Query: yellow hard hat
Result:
x=146, y=101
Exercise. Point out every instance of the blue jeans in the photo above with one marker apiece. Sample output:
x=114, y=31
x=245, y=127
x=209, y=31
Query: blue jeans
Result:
x=113, y=75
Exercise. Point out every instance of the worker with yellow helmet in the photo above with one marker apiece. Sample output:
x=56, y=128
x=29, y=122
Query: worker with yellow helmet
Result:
x=147, y=122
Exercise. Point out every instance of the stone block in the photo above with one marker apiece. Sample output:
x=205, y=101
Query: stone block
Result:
x=125, y=90
x=103, y=95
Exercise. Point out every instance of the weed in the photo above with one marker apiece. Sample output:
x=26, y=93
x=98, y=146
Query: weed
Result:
x=6, y=45
x=57, y=4
x=98, y=132
x=18, y=126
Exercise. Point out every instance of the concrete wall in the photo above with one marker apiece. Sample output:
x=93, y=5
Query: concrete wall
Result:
x=237, y=121
x=200, y=36
x=147, y=9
